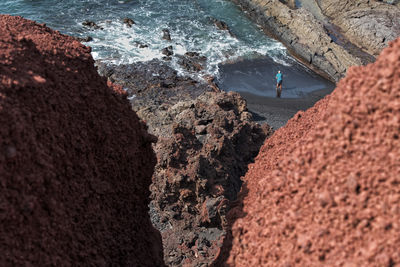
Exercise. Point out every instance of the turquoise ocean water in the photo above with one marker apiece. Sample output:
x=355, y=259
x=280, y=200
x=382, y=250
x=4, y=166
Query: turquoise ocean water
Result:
x=190, y=23
x=255, y=57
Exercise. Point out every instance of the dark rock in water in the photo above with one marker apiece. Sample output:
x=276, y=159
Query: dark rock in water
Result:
x=192, y=61
x=141, y=45
x=222, y=26
x=167, y=58
x=92, y=24
x=206, y=139
x=168, y=51
x=129, y=22
x=166, y=35
x=84, y=39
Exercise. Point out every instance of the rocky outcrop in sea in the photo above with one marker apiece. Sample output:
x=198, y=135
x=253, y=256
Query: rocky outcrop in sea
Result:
x=75, y=160
x=206, y=139
x=329, y=36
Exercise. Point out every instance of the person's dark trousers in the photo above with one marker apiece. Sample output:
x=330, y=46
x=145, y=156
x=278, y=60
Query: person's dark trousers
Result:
x=278, y=92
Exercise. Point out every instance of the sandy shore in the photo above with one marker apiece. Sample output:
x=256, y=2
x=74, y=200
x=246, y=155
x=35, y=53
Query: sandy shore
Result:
x=255, y=81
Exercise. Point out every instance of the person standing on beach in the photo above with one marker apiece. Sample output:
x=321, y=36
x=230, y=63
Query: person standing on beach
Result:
x=278, y=84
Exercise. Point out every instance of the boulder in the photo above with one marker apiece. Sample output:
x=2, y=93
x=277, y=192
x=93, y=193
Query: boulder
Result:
x=166, y=35
x=92, y=24
x=128, y=22
x=85, y=39
x=168, y=51
x=222, y=26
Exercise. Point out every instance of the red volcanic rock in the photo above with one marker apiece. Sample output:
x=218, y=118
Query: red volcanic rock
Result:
x=325, y=189
x=75, y=162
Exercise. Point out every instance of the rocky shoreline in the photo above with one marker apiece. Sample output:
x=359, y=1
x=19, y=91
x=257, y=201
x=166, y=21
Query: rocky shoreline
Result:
x=206, y=139
x=319, y=40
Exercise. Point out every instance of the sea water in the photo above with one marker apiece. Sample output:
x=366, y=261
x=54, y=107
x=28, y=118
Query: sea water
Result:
x=190, y=22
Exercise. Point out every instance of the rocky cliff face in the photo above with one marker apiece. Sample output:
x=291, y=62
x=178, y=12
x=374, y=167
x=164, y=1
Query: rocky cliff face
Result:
x=75, y=161
x=325, y=189
x=206, y=139
x=330, y=36
x=369, y=24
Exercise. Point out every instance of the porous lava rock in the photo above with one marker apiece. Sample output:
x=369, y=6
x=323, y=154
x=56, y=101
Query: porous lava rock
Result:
x=75, y=161
x=325, y=189
x=206, y=139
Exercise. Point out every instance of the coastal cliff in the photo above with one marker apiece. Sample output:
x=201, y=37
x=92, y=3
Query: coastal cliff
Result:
x=325, y=188
x=75, y=160
x=329, y=36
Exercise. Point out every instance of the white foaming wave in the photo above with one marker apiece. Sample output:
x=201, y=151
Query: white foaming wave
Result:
x=219, y=46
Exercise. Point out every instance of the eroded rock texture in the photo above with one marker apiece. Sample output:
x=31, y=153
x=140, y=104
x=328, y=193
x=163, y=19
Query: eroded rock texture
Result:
x=325, y=189
x=75, y=162
x=206, y=139
x=369, y=24
x=330, y=36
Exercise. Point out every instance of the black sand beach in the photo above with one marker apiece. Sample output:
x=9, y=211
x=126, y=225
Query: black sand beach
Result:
x=255, y=81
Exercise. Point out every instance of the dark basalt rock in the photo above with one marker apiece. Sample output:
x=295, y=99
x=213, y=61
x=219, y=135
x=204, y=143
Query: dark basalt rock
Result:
x=192, y=61
x=166, y=35
x=85, y=39
x=222, y=26
x=168, y=51
x=92, y=24
x=141, y=45
x=128, y=22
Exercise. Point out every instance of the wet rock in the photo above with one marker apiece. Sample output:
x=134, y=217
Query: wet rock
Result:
x=85, y=39
x=141, y=45
x=222, y=26
x=128, y=22
x=168, y=51
x=192, y=61
x=166, y=35
x=92, y=24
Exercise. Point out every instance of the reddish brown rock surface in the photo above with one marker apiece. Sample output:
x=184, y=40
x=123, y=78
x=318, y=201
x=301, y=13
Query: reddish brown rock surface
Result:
x=325, y=189
x=75, y=162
